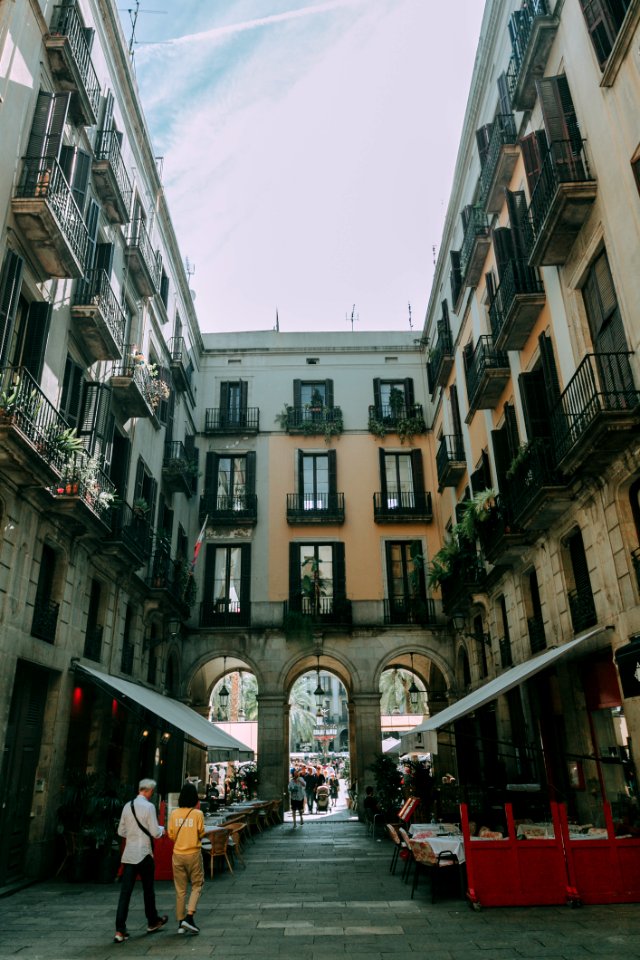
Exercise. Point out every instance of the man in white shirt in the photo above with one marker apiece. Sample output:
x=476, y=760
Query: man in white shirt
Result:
x=139, y=826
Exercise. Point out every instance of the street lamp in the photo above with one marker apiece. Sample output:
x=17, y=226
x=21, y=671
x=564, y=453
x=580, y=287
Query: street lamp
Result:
x=414, y=690
x=223, y=693
x=318, y=692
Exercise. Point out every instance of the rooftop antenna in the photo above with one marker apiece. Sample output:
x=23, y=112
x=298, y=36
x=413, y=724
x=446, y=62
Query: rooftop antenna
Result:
x=189, y=267
x=410, y=318
x=353, y=318
x=133, y=16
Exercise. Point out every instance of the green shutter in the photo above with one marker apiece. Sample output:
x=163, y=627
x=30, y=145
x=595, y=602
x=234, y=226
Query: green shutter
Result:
x=35, y=341
x=339, y=573
x=10, y=283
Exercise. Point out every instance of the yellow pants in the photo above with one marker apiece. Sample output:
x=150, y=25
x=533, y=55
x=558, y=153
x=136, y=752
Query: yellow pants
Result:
x=187, y=867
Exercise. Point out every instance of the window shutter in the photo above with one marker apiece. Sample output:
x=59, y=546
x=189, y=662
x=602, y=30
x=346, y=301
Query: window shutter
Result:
x=491, y=286
x=294, y=574
x=139, y=484
x=483, y=138
x=467, y=354
x=377, y=396
x=603, y=25
x=72, y=392
x=244, y=393
x=534, y=404
x=95, y=416
x=45, y=139
x=93, y=211
x=10, y=282
x=297, y=393
x=502, y=456
x=153, y=495
x=549, y=370
x=328, y=394
x=209, y=572
x=417, y=475
x=194, y=456
x=512, y=428
x=75, y=165
x=300, y=466
x=408, y=394
x=599, y=295
x=245, y=574
x=558, y=112
x=455, y=410
x=37, y=331
x=455, y=276
x=504, y=96
x=431, y=386
x=339, y=572
x=382, y=459
x=534, y=149
x=519, y=221
x=332, y=457
x=107, y=113
x=503, y=248
x=211, y=473
x=250, y=474
x=165, y=407
x=466, y=213
x=224, y=401
x=104, y=258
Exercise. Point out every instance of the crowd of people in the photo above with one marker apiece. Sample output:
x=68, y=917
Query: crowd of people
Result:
x=314, y=786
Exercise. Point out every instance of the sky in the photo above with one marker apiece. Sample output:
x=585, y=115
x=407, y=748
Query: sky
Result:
x=308, y=151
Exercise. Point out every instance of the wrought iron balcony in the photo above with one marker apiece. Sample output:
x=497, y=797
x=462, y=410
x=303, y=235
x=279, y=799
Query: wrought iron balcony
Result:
x=582, y=608
x=537, y=638
x=221, y=420
x=475, y=247
x=467, y=577
x=172, y=576
x=442, y=356
x=178, y=470
x=331, y=610
x=417, y=610
x=225, y=613
x=402, y=506
x=110, y=177
x=500, y=537
x=561, y=201
x=406, y=421
x=71, y=63
x=131, y=385
x=311, y=421
x=93, y=644
x=145, y=264
x=235, y=510
x=487, y=375
x=49, y=217
x=129, y=537
x=499, y=163
x=315, y=508
x=597, y=411
x=45, y=619
x=29, y=428
x=181, y=368
x=532, y=30
x=451, y=464
x=538, y=492
x=516, y=305
x=84, y=492
x=98, y=316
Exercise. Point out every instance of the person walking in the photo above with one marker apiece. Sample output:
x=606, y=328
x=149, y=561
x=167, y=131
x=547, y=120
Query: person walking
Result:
x=139, y=827
x=186, y=829
x=310, y=788
x=297, y=789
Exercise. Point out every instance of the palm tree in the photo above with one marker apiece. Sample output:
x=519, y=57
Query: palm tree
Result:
x=394, y=690
x=302, y=717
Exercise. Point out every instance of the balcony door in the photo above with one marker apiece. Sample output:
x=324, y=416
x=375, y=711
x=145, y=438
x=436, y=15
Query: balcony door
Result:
x=232, y=483
x=405, y=575
x=226, y=582
x=233, y=403
x=316, y=479
x=400, y=486
x=316, y=578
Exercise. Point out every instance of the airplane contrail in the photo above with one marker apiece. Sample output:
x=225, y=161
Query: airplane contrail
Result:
x=219, y=32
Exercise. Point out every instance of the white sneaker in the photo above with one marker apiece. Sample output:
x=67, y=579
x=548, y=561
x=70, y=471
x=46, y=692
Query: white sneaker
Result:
x=181, y=928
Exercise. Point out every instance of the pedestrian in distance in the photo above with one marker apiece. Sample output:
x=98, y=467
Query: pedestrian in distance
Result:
x=297, y=790
x=186, y=829
x=139, y=827
x=310, y=780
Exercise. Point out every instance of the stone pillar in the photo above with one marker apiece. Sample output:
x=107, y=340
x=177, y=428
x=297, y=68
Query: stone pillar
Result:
x=273, y=746
x=365, y=739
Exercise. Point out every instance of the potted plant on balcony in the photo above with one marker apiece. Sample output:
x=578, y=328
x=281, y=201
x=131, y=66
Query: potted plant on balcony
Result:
x=140, y=508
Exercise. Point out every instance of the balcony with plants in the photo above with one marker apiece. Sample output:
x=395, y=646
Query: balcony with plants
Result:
x=145, y=263
x=178, y=469
x=402, y=506
x=238, y=509
x=180, y=364
x=499, y=162
x=110, y=177
x=219, y=420
x=458, y=568
x=538, y=491
x=532, y=30
x=136, y=385
x=475, y=244
x=314, y=419
x=48, y=215
x=71, y=64
x=561, y=201
x=84, y=493
x=441, y=355
x=516, y=305
x=315, y=508
x=500, y=537
x=598, y=412
x=129, y=537
x=487, y=374
x=451, y=464
x=397, y=417
x=98, y=317
x=171, y=579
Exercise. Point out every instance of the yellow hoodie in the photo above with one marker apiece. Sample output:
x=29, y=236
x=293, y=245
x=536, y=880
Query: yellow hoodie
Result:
x=187, y=826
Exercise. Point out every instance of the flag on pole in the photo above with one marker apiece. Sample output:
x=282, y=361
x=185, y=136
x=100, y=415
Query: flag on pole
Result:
x=198, y=545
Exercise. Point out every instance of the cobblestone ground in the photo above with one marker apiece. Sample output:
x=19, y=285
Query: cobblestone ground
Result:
x=314, y=892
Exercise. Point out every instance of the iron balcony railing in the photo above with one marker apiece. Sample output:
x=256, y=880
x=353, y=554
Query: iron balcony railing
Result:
x=97, y=290
x=484, y=357
x=315, y=507
x=222, y=420
x=419, y=610
x=23, y=403
x=564, y=162
x=66, y=23
x=93, y=643
x=442, y=349
x=402, y=503
x=602, y=384
x=582, y=608
x=520, y=29
x=503, y=132
x=467, y=576
x=135, y=369
x=450, y=451
x=225, y=613
x=497, y=525
x=177, y=350
x=506, y=655
x=536, y=469
x=175, y=456
x=108, y=148
x=517, y=278
x=172, y=574
x=138, y=239
x=477, y=227
x=309, y=420
x=42, y=179
x=233, y=508
x=45, y=619
x=537, y=639
x=635, y=559
x=320, y=609
x=81, y=477
x=131, y=528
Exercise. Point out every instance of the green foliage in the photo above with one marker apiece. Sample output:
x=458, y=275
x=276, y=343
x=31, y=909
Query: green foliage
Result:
x=463, y=536
x=388, y=781
x=91, y=806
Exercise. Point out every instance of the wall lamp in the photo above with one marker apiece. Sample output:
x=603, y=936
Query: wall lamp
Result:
x=318, y=693
x=414, y=690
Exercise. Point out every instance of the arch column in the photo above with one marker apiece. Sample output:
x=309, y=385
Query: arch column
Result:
x=273, y=745
x=364, y=738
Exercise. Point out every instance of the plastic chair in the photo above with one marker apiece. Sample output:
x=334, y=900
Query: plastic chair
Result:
x=219, y=840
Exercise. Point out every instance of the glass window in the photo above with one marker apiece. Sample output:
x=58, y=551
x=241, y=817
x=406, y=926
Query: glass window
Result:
x=316, y=577
x=226, y=584
x=399, y=480
x=232, y=483
x=315, y=481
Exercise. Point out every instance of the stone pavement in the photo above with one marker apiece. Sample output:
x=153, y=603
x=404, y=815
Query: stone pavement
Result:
x=320, y=890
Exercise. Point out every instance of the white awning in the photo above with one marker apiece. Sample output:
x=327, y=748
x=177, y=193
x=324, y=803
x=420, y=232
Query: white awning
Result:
x=220, y=745
x=426, y=731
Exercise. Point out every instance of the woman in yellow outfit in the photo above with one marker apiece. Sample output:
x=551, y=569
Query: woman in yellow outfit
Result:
x=186, y=829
